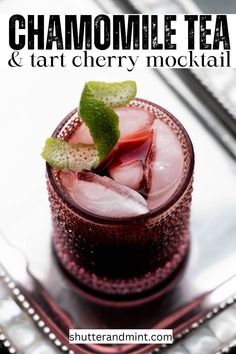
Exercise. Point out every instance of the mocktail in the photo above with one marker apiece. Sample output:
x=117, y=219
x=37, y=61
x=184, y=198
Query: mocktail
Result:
x=122, y=227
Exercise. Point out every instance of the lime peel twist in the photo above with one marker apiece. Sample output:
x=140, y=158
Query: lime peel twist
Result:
x=64, y=156
x=96, y=111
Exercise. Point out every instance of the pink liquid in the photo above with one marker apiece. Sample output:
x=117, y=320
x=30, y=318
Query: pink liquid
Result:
x=123, y=229
x=146, y=167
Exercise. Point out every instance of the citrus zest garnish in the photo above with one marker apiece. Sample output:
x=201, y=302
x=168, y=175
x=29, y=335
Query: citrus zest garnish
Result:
x=65, y=156
x=95, y=109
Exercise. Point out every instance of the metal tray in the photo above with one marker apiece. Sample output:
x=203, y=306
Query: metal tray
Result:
x=205, y=284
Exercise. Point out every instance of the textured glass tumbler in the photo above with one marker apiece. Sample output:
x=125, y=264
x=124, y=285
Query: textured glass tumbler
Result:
x=127, y=256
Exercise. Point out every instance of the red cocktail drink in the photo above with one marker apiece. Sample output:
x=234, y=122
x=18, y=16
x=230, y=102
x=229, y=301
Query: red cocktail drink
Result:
x=123, y=228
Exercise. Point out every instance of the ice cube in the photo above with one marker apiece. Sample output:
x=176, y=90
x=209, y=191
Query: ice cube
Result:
x=165, y=163
x=129, y=174
x=133, y=122
x=81, y=135
x=101, y=195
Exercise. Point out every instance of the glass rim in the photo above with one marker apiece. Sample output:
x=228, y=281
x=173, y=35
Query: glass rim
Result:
x=159, y=211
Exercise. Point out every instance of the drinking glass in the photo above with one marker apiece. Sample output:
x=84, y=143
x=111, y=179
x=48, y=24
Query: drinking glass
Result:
x=122, y=256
